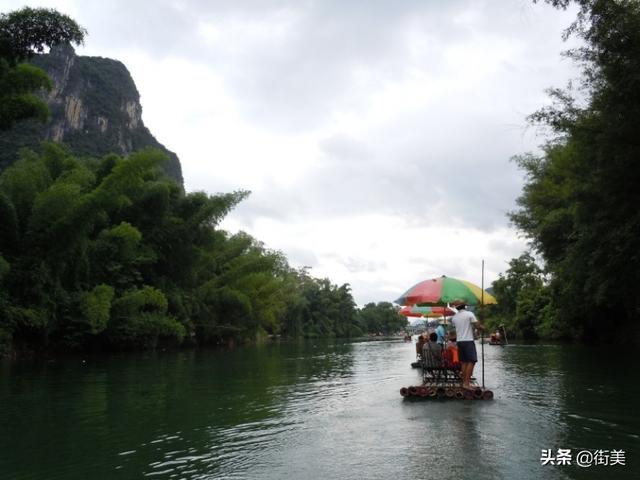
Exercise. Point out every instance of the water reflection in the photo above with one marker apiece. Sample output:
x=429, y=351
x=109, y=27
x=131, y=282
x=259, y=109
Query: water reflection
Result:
x=588, y=400
x=310, y=410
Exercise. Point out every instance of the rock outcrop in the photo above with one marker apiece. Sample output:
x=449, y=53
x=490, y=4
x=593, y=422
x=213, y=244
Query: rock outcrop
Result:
x=95, y=110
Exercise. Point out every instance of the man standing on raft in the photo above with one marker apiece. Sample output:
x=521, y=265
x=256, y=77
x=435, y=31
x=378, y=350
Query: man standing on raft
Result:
x=464, y=321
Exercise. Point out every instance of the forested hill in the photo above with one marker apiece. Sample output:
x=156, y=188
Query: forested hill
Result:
x=95, y=110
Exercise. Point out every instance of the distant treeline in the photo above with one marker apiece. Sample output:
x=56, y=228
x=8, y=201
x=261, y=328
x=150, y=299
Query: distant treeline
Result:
x=580, y=203
x=111, y=253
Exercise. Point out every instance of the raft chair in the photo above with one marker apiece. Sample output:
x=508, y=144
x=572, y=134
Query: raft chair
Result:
x=434, y=370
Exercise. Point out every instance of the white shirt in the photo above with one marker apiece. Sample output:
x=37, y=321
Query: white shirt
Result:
x=462, y=321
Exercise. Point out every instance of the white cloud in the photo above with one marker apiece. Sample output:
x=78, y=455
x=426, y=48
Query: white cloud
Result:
x=381, y=256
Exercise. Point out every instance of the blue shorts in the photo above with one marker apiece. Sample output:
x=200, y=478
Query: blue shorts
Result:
x=467, y=351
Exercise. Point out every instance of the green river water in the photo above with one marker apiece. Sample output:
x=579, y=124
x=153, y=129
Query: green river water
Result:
x=316, y=410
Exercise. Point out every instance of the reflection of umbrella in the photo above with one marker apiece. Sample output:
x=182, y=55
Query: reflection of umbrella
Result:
x=443, y=290
x=429, y=312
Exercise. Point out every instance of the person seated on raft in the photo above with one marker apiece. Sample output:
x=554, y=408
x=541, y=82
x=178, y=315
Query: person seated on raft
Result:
x=451, y=352
x=432, y=351
x=441, y=332
x=495, y=338
x=421, y=341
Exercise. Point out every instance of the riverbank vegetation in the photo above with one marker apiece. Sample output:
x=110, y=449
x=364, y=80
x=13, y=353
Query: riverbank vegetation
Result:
x=579, y=205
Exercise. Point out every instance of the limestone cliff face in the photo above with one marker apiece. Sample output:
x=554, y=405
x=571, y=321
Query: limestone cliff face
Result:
x=95, y=109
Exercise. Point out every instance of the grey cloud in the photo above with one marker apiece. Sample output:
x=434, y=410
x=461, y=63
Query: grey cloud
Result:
x=357, y=265
x=475, y=188
x=301, y=257
x=302, y=68
x=373, y=292
x=507, y=248
x=277, y=204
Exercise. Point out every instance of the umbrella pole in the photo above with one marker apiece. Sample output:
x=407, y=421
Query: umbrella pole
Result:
x=481, y=318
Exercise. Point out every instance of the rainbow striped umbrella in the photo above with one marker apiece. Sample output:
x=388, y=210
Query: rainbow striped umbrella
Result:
x=429, y=312
x=409, y=311
x=443, y=290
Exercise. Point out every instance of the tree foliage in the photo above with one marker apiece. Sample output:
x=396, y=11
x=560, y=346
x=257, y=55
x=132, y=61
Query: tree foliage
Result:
x=319, y=309
x=523, y=299
x=29, y=30
x=381, y=317
x=23, y=33
x=579, y=203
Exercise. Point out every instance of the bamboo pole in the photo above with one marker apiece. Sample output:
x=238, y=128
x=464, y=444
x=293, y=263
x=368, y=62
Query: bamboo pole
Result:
x=504, y=331
x=481, y=320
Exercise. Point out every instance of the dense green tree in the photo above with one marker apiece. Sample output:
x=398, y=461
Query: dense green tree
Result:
x=523, y=299
x=535, y=315
x=579, y=204
x=318, y=308
x=95, y=307
x=77, y=228
x=23, y=33
x=139, y=318
x=381, y=317
x=5, y=330
x=248, y=293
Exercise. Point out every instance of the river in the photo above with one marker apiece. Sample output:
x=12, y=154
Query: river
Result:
x=316, y=410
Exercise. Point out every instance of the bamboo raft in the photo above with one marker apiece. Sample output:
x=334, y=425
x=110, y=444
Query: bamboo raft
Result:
x=442, y=392
x=442, y=380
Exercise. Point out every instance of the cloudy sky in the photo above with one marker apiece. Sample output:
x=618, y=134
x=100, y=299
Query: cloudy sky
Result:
x=375, y=135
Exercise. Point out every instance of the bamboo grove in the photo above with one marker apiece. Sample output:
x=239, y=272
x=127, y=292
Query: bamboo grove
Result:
x=579, y=205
